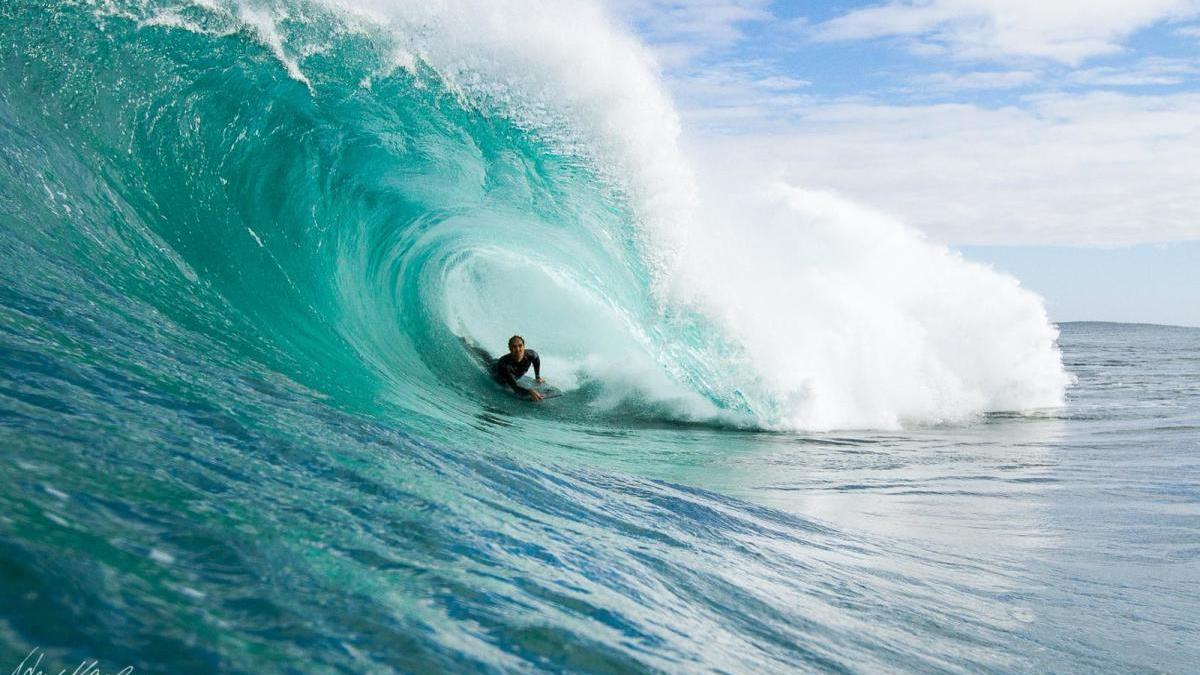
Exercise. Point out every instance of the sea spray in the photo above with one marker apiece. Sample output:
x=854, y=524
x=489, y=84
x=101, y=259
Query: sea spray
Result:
x=846, y=318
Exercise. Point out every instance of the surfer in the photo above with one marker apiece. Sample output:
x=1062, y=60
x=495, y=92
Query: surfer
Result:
x=510, y=367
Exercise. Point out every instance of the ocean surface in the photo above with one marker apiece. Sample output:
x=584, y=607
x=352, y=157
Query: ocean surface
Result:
x=243, y=244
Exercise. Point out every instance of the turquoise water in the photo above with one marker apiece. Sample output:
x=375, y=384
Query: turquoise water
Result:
x=239, y=245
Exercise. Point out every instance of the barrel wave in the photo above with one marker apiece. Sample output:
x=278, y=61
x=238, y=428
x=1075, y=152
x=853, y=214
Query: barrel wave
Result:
x=244, y=245
x=345, y=195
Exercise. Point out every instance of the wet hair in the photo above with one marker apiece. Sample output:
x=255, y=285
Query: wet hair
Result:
x=516, y=337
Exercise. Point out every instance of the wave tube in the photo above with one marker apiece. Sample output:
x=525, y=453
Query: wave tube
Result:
x=345, y=191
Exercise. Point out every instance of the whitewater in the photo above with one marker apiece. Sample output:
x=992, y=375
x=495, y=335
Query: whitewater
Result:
x=243, y=245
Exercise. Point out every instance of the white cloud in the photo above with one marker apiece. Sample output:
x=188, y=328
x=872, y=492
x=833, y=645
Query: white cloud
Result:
x=1149, y=71
x=1074, y=166
x=1067, y=32
x=1097, y=169
x=727, y=95
x=682, y=31
x=978, y=81
x=1189, y=31
x=781, y=83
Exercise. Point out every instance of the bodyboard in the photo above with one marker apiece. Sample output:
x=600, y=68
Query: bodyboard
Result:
x=486, y=362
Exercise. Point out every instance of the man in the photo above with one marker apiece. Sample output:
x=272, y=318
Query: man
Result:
x=510, y=367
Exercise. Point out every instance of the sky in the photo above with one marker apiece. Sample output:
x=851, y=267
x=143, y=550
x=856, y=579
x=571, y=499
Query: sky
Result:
x=1057, y=140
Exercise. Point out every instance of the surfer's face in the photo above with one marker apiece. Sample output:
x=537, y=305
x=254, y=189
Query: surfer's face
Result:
x=517, y=349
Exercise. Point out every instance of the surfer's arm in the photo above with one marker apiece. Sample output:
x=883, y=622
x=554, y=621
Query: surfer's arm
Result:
x=507, y=378
x=537, y=366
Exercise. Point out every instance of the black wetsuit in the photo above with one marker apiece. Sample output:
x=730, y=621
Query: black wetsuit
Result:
x=508, y=370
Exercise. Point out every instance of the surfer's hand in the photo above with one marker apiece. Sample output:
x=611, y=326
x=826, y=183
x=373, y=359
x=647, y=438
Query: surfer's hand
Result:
x=540, y=380
x=534, y=395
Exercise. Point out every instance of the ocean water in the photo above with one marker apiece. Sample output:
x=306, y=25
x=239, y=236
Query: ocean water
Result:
x=241, y=244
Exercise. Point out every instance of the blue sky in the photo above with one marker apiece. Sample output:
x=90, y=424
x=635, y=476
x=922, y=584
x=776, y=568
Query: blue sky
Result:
x=1059, y=141
x=1137, y=284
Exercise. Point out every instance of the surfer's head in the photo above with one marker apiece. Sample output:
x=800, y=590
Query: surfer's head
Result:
x=516, y=347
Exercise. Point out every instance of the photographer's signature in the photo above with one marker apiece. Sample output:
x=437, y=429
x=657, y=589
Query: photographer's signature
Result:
x=32, y=665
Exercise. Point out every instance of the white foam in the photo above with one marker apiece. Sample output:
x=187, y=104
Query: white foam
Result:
x=263, y=23
x=848, y=318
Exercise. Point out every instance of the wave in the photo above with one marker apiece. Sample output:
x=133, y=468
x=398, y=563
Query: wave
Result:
x=343, y=192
